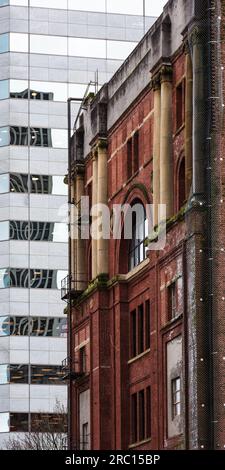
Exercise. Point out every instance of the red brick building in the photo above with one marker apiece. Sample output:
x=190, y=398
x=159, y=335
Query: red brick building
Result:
x=146, y=342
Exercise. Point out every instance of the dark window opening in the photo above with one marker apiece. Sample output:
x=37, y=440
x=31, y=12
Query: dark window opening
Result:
x=180, y=104
x=129, y=158
x=172, y=301
x=181, y=184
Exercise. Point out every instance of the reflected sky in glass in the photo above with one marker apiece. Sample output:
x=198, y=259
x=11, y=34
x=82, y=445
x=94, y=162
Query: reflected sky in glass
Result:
x=4, y=230
x=4, y=422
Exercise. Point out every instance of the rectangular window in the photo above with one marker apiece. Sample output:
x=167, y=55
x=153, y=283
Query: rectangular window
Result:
x=172, y=301
x=134, y=430
x=4, y=89
x=33, y=278
x=37, y=184
x=176, y=397
x=46, y=422
x=180, y=104
x=4, y=422
x=36, y=137
x=82, y=360
x=148, y=412
x=141, y=415
x=133, y=333
x=140, y=329
x=129, y=158
x=18, y=422
x=147, y=324
x=18, y=373
x=85, y=436
x=4, y=2
x=136, y=152
x=34, y=231
x=4, y=43
x=4, y=230
x=4, y=136
x=48, y=375
x=4, y=374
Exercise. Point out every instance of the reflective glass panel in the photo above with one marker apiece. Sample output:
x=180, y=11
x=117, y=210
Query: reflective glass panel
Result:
x=4, y=230
x=33, y=278
x=41, y=422
x=4, y=183
x=4, y=278
x=18, y=422
x=4, y=89
x=37, y=184
x=4, y=42
x=62, y=4
x=19, y=2
x=4, y=136
x=4, y=326
x=126, y=7
x=87, y=47
x=38, y=137
x=4, y=374
x=87, y=5
x=18, y=373
x=18, y=42
x=119, y=50
x=38, y=326
x=153, y=8
x=38, y=231
x=48, y=44
x=4, y=2
x=4, y=422
x=48, y=375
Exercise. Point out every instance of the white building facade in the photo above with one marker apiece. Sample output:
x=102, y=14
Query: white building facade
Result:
x=49, y=51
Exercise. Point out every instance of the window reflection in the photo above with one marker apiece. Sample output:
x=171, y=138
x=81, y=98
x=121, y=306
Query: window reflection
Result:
x=4, y=89
x=4, y=374
x=137, y=248
x=4, y=42
x=4, y=422
x=37, y=184
x=37, y=231
x=4, y=326
x=36, y=326
x=18, y=373
x=47, y=375
x=4, y=183
x=18, y=422
x=33, y=278
x=37, y=136
x=87, y=47
x=46, y=90
x=4, y=2
x=4, y=136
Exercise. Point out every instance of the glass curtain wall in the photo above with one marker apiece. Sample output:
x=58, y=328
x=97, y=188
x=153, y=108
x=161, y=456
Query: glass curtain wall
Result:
x=49, y=50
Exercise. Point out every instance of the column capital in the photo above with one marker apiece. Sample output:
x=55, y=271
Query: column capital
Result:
x=166, y=73
x=155, y=82
x=196, y=36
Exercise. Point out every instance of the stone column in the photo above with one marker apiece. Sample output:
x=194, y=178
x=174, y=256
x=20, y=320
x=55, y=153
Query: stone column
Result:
x=81, y=264
x=94, y=202
x=156, y=148
x=188, y=122
x=199, y=111
x=166, y=150
x=102, y=244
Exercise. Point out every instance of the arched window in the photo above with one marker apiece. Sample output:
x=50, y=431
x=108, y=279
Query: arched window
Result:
x=181, y=184
x=137, y=249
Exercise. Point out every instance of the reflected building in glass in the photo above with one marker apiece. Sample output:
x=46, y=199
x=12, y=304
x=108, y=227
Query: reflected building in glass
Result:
x=49, y=51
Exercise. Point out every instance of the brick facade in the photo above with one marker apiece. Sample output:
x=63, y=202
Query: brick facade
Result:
x=144, y=329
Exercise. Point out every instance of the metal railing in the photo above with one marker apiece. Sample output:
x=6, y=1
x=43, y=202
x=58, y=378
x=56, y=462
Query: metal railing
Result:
x=73, y=369
x=71, y=288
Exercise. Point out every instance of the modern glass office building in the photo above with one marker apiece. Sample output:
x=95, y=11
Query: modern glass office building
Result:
x=49, y=51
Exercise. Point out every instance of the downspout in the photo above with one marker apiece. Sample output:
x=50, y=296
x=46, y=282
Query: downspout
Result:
x=209, y=249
